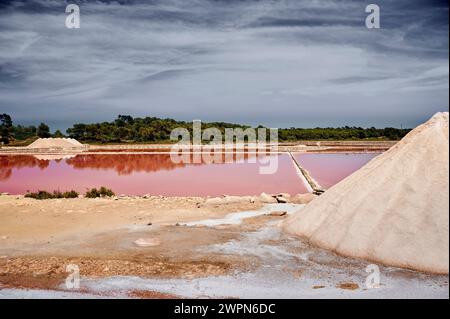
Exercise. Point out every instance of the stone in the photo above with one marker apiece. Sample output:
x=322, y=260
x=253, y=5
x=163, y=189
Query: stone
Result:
x=348, y=286
x=281, y=200
x=318, y=287
x=302, y=198
x=285, y=195
x=267, y=199
x=278, y=213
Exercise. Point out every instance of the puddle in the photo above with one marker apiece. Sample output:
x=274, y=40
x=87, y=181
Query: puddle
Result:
x=13, y=293
x=259, y=285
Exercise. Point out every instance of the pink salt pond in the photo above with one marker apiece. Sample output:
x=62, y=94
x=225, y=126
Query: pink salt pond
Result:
x=139, y=174
x=330, y=168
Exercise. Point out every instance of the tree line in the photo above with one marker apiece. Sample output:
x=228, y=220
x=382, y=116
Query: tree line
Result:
x=10, y=132
x=126, y=129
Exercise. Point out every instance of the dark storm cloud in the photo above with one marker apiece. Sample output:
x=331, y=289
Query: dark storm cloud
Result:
x=275, y=62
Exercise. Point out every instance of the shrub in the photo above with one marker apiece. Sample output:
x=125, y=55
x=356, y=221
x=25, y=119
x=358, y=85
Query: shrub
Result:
x=56, y=194
x=102, y=192
x=70, y=194
x=92, y=193
x=106, y=192
x=39, y=195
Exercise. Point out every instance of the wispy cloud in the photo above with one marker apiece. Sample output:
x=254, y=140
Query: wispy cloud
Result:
x=280, y=63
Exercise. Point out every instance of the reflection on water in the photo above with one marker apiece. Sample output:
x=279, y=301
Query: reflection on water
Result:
x=145, y=174
x=53, y=157
x=124, y=164
x=7, y=163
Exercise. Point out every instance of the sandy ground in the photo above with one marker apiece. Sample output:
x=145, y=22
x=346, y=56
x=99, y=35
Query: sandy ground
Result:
x=204, y=249
x=36, y=236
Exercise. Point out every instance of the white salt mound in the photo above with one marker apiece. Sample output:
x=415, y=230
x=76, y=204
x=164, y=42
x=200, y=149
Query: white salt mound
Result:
x=55, y=143
x=394, y=210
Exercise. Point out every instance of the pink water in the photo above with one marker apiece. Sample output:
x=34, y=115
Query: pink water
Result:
x=329, y=169
x=138, y=174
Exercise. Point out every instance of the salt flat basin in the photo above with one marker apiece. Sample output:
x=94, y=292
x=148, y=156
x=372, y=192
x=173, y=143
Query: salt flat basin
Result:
x=329, y=169
x=139, y=174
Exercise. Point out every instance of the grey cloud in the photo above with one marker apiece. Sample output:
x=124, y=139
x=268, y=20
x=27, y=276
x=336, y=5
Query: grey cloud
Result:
x=358, y=79
x=280, y=63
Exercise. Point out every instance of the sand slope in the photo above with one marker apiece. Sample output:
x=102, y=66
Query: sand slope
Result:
x=394, y=210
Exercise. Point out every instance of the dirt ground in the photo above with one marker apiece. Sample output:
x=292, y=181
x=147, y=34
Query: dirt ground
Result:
x=38, y=239
x=158, y=247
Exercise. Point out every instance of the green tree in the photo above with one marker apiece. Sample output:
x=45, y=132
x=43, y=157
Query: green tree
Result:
x=43, y=130
x=58, y=134
x=128, y=129
x=23, y=132
x=6, y=128
x=78, y=131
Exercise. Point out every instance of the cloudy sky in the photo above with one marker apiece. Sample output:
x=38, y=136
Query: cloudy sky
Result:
x=280, y=63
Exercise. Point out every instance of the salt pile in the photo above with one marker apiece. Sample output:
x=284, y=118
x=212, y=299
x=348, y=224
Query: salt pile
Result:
x=394, y=210
x=64, y=143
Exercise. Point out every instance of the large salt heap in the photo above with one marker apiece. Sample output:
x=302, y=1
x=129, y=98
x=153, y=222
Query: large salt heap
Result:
x=59, y=143
x=394, y=210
